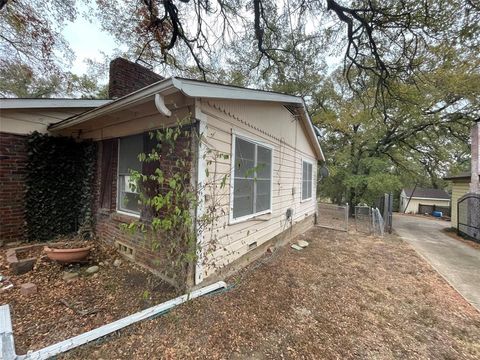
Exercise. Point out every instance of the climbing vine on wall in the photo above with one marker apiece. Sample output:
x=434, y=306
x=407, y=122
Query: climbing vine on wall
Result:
x=59, y=179
x=170, y=199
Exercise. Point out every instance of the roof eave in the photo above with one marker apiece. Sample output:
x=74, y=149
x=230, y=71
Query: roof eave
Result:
x=116, y=105
x=195, y=89
x=7, y=103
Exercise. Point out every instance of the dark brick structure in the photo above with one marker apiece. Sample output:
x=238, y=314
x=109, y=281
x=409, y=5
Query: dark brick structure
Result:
x=127, y=77
x=109, y=221
x=13, y=158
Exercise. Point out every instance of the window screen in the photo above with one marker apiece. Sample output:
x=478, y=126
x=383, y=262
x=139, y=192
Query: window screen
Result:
x=128, y=197
x=307, y=180
x=252, y=184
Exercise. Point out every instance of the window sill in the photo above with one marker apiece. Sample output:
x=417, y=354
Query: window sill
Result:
x=306, y=200
x=263, y=216
x=124, y=217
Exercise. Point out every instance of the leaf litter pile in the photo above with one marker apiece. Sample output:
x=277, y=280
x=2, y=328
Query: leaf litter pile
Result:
x=64, y=308
x=342, y=297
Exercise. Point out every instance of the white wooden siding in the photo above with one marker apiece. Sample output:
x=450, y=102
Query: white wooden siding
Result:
x=271, y=124
x=414, y=203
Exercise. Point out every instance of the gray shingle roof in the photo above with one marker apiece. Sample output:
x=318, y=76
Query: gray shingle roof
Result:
x=428, y=193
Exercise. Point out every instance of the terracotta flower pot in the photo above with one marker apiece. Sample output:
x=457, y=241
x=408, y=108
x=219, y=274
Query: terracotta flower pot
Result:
x=67, y=255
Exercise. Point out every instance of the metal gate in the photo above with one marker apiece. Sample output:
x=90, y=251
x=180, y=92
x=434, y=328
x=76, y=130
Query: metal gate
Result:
x=332, y=216
x=385, y=206
x=468, y=216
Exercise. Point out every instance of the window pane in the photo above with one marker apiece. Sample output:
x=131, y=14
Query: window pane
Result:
x=310, y=180
x=128, y=199
x=264, y=162
x=307, y=170
x=263, y=195
x=244, y=159
x=130, y=148
x=242, y=197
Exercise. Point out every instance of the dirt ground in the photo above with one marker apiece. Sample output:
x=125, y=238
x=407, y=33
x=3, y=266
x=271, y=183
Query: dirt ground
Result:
x=453, y=234
x=62, y=309
x=342, y=297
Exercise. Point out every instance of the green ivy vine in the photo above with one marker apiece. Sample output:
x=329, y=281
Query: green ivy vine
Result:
x=59, y=180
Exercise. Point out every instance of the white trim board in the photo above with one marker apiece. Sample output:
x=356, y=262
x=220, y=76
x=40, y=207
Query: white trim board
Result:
x=76, y=341
x=51, y=103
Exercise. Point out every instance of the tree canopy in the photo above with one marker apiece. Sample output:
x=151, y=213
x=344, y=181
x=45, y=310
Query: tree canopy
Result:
x=393, y=85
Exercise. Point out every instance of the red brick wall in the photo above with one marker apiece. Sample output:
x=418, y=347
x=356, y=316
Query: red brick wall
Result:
x=109, y=221
x=13, y=159
x=127, y=77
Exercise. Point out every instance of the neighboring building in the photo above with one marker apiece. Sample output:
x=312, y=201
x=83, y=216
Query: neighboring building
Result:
x=411, y=200
x=260, y=129
x=468, y=182
x=460, y=187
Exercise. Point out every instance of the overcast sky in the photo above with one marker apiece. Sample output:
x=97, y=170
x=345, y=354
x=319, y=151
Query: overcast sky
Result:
x=87, y=40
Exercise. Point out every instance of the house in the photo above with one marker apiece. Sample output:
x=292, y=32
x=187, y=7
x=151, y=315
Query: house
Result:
x=467, y=182
x=422, y=200
x=256, y=129
x=18, y=118
x=460, y=187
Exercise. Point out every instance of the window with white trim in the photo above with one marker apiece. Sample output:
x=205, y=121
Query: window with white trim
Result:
x=252, y=179
x=129, y=149
x=307, y=180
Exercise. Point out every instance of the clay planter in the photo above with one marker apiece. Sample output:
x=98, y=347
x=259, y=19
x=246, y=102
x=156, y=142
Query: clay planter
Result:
x=66, y=256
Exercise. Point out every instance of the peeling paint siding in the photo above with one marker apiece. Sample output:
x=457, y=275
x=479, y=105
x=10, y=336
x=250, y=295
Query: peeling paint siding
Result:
x=277, y=127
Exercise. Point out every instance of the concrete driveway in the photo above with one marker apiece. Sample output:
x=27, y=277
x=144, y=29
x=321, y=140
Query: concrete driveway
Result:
x=457, y=262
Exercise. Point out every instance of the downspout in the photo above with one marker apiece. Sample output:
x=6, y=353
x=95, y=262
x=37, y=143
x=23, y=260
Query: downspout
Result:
x=160, y=105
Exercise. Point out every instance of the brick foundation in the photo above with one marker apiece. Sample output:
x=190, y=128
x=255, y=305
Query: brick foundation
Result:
x=13, y=159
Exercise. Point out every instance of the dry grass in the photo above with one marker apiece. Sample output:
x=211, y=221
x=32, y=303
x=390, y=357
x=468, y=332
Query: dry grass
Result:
x=340, y=298
x=63, y=309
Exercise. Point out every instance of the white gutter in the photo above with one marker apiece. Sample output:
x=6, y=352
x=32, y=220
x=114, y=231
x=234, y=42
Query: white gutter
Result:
x=97, y=333
x=51, y=103
x=200, y=89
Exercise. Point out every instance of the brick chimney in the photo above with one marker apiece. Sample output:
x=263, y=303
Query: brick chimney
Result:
x=126, y=77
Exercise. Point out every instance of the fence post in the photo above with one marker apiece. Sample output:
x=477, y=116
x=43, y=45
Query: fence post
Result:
x=346, y=215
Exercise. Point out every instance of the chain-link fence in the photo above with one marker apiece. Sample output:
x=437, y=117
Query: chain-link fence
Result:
x=369, y=221
x=363, y=219
x=378, y=225
x=332, y=216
